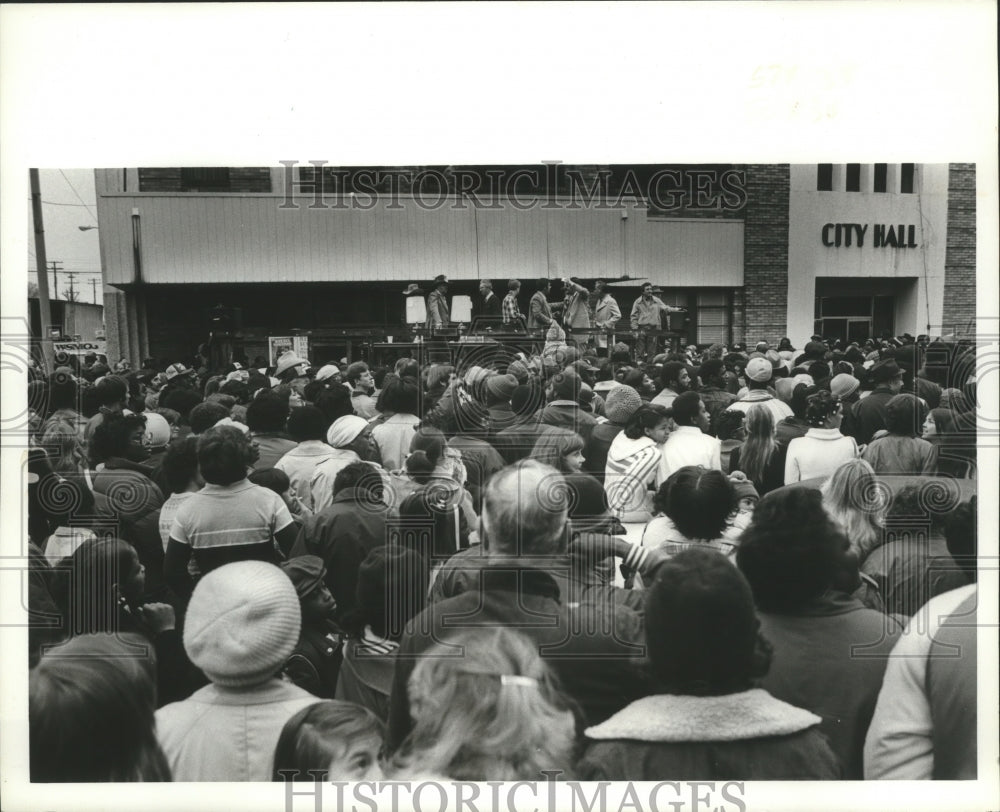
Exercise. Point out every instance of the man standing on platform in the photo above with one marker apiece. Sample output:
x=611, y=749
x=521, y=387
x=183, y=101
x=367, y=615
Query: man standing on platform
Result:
x=606, y=314
x=437, y=304
x=511, y=312
x=646, y=317
x=539, y=312
x=490, y=308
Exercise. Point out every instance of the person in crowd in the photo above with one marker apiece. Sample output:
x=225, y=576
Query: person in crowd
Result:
x=760, y=457
x=911, y=360
x=639, y=380
x=689, y=443
x=823, y=448
x=329, y=741
x=350, y=441
x=607, y=314
x=346, y=530
x=795, y=425
x=853, y=499
x=62, y=441
x=274, y=479
x=912, y=564
x=335, y=402
x=178, y=377
x=713, y=392
x=307, y=425
x=439, y=380
x=925, y=721
x=267, y=415
x=759, y=374
x=205, y=415
x=499, y=390
x=103, y=590
x=675, y=379
x=511, y=313
x=242, y=624
x=869, y=413
x=830, y=651
x=64, y=403
x=229, y=519
x=899, y=449
x=157, y=440
x=731, y=430
x=437, y=515
x=468, y=432
x=563, y=407
x=314, y=664
x=183, y=479
x=954, y=441
x=74, y=692
x=111, y=393
x=400, y=399
x=392, y=589
x=71, y=507
x=588, y=503
x=848, y=388
x=708, y=720
x=620, y=404
x=437, y=304
x=693, y=507
x=181, y=401
x=362, y=384
x=496, y=713
x=539, y=311
x=523, y=520
x=576, y=313
x=633, y=462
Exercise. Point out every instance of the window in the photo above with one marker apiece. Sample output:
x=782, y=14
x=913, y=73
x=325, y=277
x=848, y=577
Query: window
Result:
x=881, y=177
x=205, y=180
x=906, y=179
x=824, y=178
x=713, y=318
x=854, y=177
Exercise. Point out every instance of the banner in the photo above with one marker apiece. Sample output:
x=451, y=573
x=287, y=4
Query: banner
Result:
x=278, y=345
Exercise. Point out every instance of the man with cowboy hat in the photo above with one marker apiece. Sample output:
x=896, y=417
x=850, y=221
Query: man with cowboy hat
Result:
x=437, y=304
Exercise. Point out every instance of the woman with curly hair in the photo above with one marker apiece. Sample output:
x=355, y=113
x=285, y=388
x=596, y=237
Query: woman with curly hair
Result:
x=493, y=714
x=823, y=449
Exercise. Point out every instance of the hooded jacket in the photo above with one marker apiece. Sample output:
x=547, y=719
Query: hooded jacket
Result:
x=631, y=468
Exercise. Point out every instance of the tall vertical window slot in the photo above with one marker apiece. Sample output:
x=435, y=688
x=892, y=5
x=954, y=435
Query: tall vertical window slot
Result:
x=854, y=177
x=824, y=178
x=881, y=176
x=906, y=178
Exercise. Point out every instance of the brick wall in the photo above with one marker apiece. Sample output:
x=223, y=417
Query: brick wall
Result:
x=765, y=256
x=959, y=311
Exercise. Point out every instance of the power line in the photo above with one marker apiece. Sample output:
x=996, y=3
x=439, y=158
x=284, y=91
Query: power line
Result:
x=71, y=186
x=75, y=205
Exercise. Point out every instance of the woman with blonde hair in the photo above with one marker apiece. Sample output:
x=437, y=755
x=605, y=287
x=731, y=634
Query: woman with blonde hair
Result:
x=495, y=713
x=760, y=456
x=852, y=498
x=62, y=443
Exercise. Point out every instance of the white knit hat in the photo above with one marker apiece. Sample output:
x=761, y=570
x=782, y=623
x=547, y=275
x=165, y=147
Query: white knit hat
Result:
x=242, y=623
x=345, y=430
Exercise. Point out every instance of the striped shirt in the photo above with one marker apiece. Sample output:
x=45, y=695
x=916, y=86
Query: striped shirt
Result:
x=630, y=469
x=226, y=523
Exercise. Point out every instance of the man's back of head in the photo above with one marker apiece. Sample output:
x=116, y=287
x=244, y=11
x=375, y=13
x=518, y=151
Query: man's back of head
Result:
x=524, y=511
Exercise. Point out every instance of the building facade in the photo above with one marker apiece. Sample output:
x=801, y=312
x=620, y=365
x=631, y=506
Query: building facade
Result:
x=753, y=251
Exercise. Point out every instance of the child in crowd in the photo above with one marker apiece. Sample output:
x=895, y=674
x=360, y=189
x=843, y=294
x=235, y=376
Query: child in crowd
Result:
x=315, y=663
x=274, y=479
x=330, y=741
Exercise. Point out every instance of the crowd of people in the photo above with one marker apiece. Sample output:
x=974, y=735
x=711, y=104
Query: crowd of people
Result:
x=569, y=561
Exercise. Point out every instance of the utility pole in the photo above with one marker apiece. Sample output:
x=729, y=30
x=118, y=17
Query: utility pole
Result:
x=44, y=306
x=71, y=297
x=55, y=277
x=93, y=289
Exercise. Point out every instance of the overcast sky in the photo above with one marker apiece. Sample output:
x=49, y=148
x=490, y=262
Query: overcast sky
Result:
x=64, y=195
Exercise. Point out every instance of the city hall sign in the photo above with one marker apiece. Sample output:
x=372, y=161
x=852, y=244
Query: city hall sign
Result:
x=849, y=235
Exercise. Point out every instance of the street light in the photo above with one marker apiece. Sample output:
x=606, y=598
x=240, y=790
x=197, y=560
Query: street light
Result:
x=87, y=228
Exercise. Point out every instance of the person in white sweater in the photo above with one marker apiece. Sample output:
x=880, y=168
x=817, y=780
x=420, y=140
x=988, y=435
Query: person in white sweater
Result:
x=823, y=449
x=633, y=462
x=689, y=444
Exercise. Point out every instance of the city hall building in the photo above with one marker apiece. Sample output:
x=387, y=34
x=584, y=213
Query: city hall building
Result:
x=310, y=250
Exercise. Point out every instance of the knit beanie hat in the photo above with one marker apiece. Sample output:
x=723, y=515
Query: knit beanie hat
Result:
x=701, y=626
x=345, y=430
x=519, y=370
x=566, y=385
x=242, y=623
x=742, y=486
x=844, y=385
x=621, y=403
x=501, y=386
